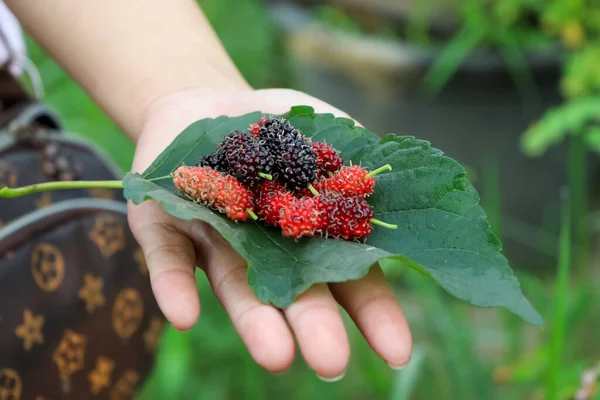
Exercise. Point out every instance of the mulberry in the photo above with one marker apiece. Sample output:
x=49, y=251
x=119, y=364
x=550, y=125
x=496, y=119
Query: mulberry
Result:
x=349, y=218
x=295, y=163
x=328, y=158
x=349, y=181
x=216, y=161
x=215, y=190
x=255, y=128
x=302, y=218
x=271, y=200
x=249, y=160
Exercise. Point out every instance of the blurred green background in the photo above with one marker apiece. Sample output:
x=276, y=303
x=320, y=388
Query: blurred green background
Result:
x=508, y=87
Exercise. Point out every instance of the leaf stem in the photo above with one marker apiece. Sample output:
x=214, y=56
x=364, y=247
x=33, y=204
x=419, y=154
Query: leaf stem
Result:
x=386, y=167
x=11, y=193
x=384, y=224
x=266, y=176
x=252, y=214
x=312, y=189
x=159, y=178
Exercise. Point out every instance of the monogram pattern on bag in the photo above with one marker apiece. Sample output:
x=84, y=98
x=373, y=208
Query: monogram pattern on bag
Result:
x=47, y=266
x=125, y=387
x=44, y=200
x=8, y=175
x=109, y=235
x=128, y=311
x=10, y=384
x=152, y=334
x=69, y=355
x=31, y=329
x=102, y=193
x=91, y=293
x=100, y=377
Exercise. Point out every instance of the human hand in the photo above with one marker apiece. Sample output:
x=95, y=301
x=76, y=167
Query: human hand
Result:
x=173, y=248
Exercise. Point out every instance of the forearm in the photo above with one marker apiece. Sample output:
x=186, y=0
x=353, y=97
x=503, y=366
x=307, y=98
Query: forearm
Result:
x=126, y=54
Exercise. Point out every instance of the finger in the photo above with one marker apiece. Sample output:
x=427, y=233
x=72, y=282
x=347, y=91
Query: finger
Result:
x=262, y=327
x=171, y=263
x=319, y=329
x=372, y=305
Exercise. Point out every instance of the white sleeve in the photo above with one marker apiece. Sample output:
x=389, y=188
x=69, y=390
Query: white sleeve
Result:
x=12, y=42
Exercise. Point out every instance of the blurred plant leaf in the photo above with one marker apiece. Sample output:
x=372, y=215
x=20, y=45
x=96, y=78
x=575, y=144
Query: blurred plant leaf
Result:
x=250, y=38
x=572, y=118
x=452, y=56
x=443, y=232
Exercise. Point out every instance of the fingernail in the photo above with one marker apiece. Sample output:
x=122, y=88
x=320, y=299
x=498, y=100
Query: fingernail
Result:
x=398, y=367
x=334, y=379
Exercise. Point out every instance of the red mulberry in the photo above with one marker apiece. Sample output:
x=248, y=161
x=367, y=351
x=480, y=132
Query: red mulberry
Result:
x=271, y=199
x=215, y=190
x=348, y=218
x=328, y=158
x=349, y=181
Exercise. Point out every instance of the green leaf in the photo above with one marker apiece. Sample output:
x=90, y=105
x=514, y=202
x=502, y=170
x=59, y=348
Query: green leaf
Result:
x=571, y=118
x=443, y=232
x=453, y=55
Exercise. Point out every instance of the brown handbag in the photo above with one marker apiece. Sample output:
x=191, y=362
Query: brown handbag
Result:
x=78, y=319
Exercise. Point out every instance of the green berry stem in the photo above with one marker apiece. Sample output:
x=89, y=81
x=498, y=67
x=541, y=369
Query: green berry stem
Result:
x=252, y=214
x=386, y=167
x=11, y=193
x=266, y=176
x=384, y=224
x=312, y=189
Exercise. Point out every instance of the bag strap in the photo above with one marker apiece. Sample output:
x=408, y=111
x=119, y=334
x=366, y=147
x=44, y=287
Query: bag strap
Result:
x=13, y=97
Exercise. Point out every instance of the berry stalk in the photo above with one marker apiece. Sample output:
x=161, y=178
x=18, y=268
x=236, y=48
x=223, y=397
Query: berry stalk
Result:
x=251, y=214
x=11, y=193
x=386, y=167
x=384, y=224
x=266, y=176
x=312, y=189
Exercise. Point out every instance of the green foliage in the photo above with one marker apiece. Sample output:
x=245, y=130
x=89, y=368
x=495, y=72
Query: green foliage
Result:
x=250, y=38
x=572, y=118
x=443, y=233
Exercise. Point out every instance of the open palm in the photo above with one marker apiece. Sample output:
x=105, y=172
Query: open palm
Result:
x=173, y=248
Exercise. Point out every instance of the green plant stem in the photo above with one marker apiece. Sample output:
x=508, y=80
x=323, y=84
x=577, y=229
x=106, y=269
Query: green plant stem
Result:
x=312, y=189
x=386, y=167
x=577, y=178
x=384, y=224
x=559, y=323
x=252, y=214
x=266, y=176
x=160, y=178
x=11, y=193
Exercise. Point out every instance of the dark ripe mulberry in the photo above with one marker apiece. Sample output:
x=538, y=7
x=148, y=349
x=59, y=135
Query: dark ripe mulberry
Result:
x=255, y=128
x=273, y=130
x=295, y=162
x=248, y=158
x=216, y=161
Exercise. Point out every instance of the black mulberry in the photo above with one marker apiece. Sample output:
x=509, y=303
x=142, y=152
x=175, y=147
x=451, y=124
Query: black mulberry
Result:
x=216, y=161
x=249, y=160
x=295, y=162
